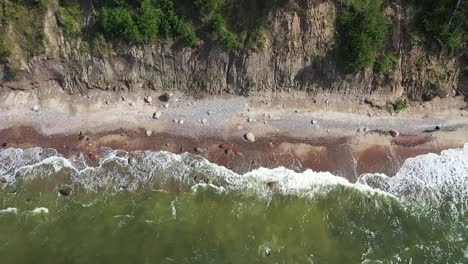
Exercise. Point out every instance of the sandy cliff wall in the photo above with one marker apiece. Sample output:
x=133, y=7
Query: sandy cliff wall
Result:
x=299, y=53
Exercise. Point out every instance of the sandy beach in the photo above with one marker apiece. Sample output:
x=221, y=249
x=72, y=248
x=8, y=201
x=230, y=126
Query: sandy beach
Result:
x=343, y=136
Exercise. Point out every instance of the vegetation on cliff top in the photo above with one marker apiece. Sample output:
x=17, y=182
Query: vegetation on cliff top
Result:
x=362, y=25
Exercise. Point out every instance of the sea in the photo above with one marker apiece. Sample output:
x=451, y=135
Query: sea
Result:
x=159, y=207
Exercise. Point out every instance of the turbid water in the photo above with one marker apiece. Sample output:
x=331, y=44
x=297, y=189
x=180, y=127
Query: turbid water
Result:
x=157, y=207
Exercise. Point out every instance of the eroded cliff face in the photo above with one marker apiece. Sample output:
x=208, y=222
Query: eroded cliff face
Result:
x=298, y=53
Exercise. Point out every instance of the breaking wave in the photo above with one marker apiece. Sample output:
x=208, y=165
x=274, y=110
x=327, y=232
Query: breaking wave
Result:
x=429, y=178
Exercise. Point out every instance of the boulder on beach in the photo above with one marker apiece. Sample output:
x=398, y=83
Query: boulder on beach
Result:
x=35, y=108
x=65, y=191
x=148, y=99
x=204, y=121
x=166, y=97
x=272, y=184
x=314, y=122
x=157, y=115
x=149, y=133
x=81, y=136
x=394, y=133
x=132, y=161
x=249, y=137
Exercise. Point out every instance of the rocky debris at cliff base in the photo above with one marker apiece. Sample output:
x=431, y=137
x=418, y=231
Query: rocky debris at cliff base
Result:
x=249, y=137
x=394, y=133
x=157, y=115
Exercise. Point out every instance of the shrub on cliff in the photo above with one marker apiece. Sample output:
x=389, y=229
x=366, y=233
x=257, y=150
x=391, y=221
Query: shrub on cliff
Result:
x=68, y=17
x=119, y=23
x=362, y=32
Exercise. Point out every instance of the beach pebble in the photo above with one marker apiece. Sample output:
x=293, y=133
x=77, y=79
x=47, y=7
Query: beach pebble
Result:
x=250, y=137
x=394, y=133
x=157, y=115
x=149, y=133
x=204, y=121
x=35, y=108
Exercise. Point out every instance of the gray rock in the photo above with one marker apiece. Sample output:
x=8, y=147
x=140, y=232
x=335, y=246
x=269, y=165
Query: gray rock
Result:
x=314, y=122
x=204, y=121
x=181, y=122
x=35, y=108
x=250, y=120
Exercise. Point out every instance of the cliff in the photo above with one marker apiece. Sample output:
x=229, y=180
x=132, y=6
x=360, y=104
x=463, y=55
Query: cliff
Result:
x=297, y=53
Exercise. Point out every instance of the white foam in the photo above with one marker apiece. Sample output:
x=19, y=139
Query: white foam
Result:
x=425, y=178
x=9, y=210
x=40, y=210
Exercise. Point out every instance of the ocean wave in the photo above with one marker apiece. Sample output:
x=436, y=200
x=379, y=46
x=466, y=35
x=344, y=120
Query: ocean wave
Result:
x=429, y=178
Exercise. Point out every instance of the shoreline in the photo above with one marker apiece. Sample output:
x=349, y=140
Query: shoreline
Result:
x=322, y=136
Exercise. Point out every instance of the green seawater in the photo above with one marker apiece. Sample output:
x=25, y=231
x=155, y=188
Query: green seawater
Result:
x=166, y=208
x=207, y=226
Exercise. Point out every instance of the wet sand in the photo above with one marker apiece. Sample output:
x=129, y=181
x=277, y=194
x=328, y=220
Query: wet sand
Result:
x=338, y=155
